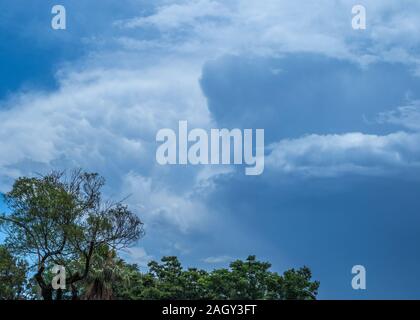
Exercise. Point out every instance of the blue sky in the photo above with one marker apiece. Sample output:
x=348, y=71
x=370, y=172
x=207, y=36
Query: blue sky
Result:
x=340, y=109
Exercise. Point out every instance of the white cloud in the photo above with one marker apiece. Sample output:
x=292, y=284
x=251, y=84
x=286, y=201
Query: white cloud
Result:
x=407, y=116
x=106, y=120
x=218, y=259
x=106, y=112
x=137, y=255
x=158, y=204
x=330, y=155
x=273, y=27
x=176, y=15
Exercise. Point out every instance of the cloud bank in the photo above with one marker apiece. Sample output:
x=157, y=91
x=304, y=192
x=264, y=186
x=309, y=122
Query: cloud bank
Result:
x=145, y=75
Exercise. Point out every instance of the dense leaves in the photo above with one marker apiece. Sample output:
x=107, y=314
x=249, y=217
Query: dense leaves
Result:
x=59, y=219
x=247, y=280
x=12, y=276
x=62, y=220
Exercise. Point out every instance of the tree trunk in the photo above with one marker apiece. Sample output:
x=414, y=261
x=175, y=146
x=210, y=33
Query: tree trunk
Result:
x=74, y=293
x=46, y=290
x=47, y=293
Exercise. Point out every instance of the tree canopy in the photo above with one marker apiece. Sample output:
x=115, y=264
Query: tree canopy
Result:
x=243, y=280
x=61, y=219
x=13, y=274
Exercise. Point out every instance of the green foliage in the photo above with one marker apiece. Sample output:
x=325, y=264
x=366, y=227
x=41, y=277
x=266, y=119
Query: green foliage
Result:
x=245, y=280
x=111, y=277
x=59, y=219
x=12, y=276
x=109, y=273
x=296, y=285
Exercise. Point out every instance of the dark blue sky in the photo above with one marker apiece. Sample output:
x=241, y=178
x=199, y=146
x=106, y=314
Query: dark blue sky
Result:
x=340, y=110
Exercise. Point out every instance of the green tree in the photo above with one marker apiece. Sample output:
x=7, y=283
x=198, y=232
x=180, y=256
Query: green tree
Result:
x=110, y=277
x=131, y=284
x=247, y=280
x=252, y=280
x=297, y=285
x=168, y=282
x=12, y=276
x=60, y=219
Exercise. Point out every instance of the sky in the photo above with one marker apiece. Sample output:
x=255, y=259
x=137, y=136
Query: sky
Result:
x=340, y=109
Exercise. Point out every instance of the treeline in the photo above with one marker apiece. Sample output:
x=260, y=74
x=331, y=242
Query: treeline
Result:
x=112, y=278
x=60, y=219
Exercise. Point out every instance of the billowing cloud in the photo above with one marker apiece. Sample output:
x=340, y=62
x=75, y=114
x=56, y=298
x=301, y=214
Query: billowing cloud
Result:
x=107, y=109
x=159, y=204
x=105, y=120
x=214, y=27
x=330, y=155
x=105, y=113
